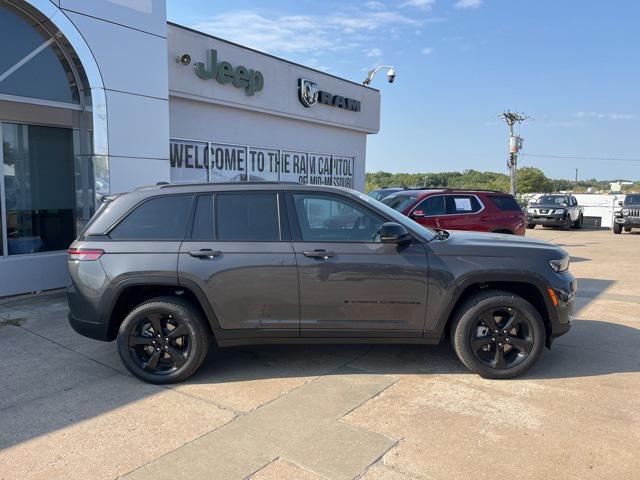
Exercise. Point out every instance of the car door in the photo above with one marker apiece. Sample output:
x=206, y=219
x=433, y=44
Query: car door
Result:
x=240, y=255
x=430, y=212
x=351, y=284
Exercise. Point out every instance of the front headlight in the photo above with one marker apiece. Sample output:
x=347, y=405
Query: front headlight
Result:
x=558, y=211
x=531, y=210
x=560, y=265
x=625, y=211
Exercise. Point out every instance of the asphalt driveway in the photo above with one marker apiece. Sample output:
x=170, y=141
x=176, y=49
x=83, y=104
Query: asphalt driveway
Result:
x=68, y=409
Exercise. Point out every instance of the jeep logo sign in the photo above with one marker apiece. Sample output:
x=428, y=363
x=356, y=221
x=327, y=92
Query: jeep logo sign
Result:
x=251, y=81
x=309, y=94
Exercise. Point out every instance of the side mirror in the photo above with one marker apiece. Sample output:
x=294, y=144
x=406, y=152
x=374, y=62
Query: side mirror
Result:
x=620, y=203
x=392, y=232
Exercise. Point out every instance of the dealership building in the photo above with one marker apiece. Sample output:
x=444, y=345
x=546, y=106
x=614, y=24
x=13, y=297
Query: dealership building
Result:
x=103, y=96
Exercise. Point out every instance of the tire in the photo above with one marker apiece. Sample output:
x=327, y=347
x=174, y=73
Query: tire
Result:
x=529, y=331
x=627, y=229
x=578, y=223
x=567, y=224
x=186, y=351
x=531, y=226
x=617, y=228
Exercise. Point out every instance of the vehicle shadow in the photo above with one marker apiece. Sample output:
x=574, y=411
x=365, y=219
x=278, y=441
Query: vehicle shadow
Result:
x=591, y=348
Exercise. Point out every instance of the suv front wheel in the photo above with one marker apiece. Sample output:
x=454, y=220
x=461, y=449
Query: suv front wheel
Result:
x=497, y=334
x=163, y=340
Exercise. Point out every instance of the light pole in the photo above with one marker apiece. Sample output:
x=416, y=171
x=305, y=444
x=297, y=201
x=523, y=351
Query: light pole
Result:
x=512, y=118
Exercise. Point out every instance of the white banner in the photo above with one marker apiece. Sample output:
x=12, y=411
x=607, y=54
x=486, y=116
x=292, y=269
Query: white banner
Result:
x=220, y=162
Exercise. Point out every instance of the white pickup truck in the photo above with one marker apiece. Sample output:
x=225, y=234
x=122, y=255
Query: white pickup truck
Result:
x=557, y=210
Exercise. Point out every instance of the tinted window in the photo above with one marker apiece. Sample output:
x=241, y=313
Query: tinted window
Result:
x=431, y=206
x=457, y=204
x=506, y=203
x=203, y=219
x=330, y=219
x=161, y=218
x=632, y=199
x=400, y=202
x=251, y=217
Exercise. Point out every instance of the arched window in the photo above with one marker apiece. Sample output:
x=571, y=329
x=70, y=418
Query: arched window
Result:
x=32, y=65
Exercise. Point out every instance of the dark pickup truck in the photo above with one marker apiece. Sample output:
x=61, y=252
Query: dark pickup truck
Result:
x=559, y=210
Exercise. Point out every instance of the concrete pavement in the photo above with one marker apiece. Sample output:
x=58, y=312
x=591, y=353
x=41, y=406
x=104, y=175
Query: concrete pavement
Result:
x=68, y=409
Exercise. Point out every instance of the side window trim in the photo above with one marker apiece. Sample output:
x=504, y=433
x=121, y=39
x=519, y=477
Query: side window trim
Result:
x=332, y=196
x=122, y=217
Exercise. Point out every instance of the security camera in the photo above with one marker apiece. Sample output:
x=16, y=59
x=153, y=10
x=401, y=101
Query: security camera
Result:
x=391, y=75
x=184, y=59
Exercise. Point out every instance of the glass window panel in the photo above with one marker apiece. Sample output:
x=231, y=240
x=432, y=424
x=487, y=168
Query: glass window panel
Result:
x=18, y=37
x=328, y=219
x=203, y=219
x=161, y=218
x=50, y=64
x=431, y=206
x=249, y=217
x=39, y=188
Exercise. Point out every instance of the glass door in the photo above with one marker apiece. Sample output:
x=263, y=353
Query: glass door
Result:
x=39, y=191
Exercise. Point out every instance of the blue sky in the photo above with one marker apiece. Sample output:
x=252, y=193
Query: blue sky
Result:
x=572, y=65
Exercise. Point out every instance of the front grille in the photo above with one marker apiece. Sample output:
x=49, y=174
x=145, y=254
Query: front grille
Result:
x=634, y=212
x=544, y=211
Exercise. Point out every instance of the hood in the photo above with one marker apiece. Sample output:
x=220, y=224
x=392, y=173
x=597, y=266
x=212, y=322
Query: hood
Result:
x=477, y=244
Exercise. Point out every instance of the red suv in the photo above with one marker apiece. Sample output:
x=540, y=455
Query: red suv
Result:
x=479, y=210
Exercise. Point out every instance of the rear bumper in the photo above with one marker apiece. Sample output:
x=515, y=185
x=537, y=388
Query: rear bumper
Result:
x=83, y=317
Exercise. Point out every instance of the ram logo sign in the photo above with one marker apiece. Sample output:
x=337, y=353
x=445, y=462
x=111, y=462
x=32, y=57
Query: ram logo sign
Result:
x=309, y=94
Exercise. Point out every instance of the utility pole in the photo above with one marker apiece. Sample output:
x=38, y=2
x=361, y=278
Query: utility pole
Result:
x=515, y=143
x=576, y=177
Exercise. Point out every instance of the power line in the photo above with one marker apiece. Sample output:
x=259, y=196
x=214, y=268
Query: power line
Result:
x=568, y=157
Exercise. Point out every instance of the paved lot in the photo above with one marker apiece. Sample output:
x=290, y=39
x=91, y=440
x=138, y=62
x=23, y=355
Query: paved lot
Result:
x=69, y=410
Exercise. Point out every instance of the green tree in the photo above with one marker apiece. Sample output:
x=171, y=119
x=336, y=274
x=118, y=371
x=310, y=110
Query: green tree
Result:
x=533, y=180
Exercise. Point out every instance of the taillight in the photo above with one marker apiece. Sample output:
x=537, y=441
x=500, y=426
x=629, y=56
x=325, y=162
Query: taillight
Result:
x=84, y=254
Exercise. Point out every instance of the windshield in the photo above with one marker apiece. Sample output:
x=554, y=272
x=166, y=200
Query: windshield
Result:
x=400, y=202
x=382, y=193
x=426, y=232
x=552, y=200
x=632, y=200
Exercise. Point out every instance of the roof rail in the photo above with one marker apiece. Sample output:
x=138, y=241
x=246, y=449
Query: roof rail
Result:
x=204, y=184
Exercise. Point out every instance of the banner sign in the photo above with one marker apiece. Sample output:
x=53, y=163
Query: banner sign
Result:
x=218, y=162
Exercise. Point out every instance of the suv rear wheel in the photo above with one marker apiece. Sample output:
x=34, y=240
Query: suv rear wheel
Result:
x=497, y=334
x=163, y=340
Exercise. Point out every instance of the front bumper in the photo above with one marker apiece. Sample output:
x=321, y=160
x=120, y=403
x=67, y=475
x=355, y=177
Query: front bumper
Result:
x=550, y=220
x=565, y=294
x=632, y=222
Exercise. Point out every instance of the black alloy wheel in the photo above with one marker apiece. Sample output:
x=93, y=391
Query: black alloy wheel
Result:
x=497, y=334
x=502, y=338
x=163, y=340
x=159, y=344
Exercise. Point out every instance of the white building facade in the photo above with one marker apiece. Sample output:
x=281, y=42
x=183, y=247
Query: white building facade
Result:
x=104, y=96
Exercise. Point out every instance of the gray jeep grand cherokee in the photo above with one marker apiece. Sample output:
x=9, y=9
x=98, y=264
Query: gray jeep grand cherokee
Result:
x=167, y=270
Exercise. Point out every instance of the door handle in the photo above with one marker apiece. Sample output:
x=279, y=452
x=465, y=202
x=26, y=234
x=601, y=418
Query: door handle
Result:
x=205, y=253
x=323, y=254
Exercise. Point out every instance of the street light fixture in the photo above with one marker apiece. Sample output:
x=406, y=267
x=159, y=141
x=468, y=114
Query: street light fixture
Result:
x=391, y=74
